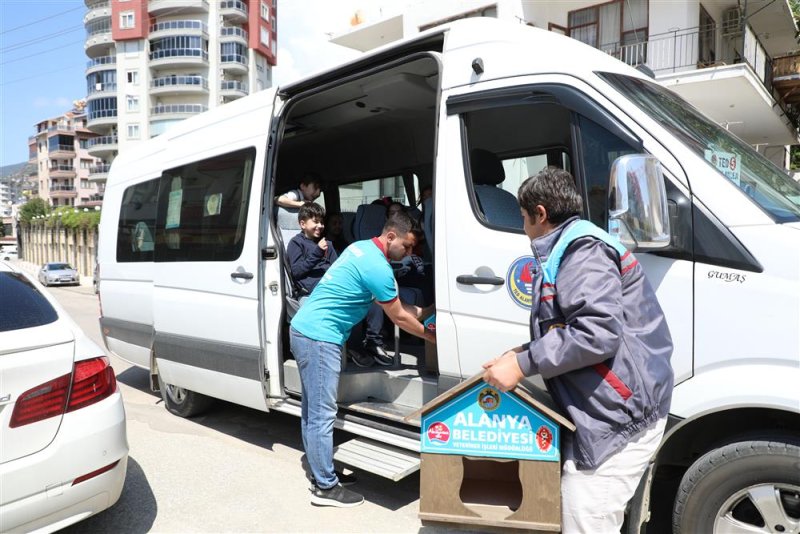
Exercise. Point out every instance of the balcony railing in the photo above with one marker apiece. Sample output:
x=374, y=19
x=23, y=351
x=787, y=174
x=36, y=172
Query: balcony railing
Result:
x=179, y=52
x=233, y=58
x=178, y=109
x=68, y=168
x=233, y=85
x=60, y=128
x=99, y=169
x=233, y=4
x=58, y=187
x=103, y=140
x=102, y=88
x=104, y=60
x=684, y=49
x=91, y=32
x=102, y=114
x=62, y=148
x=179, y=25
x=173, y=81
x=230, y=32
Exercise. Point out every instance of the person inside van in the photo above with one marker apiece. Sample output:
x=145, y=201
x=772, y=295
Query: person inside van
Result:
x=318, y=332
x=601, y=343
x=334, y=232
x=310, y=254
x=309, y=191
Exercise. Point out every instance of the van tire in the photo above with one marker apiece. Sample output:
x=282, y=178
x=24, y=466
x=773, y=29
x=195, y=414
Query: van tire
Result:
x=717, y=489
x=183, y=402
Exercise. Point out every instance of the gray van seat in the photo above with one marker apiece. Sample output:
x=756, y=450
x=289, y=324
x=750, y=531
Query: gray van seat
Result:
x=498, y=205
x=288, y=224
x=369, y=221
x=347, y=225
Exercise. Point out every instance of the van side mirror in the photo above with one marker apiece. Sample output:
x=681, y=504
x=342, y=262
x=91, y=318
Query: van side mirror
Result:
x=637, y=203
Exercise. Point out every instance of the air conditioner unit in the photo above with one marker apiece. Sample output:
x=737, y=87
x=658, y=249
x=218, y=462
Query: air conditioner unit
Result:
x=732, y=22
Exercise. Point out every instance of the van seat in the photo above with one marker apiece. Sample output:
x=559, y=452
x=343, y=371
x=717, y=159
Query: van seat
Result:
x=369, y=221
x=347, y=225
x=288, y=225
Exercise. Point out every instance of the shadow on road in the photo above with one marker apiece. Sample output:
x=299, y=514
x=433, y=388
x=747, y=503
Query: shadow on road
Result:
x=135, y=512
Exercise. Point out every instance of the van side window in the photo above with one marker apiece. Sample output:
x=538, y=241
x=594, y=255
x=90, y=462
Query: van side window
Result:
x=137, y=222
x=506, y=145
x=599, y=149
x=202, y=209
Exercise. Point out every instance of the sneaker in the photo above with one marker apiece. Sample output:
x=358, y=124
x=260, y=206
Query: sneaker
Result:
x=360, y=359
x=344, y=480
x=336, y=496
x=379, y=354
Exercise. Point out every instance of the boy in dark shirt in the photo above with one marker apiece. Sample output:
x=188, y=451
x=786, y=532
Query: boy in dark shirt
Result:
x=310, y=255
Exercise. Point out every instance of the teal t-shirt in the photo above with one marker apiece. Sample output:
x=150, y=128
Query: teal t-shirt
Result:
x=343, y=296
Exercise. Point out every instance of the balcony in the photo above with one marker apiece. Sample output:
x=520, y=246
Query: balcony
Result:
x=733, y=88
x=175, y=111
x=174, y=85
x=101, y=63
x=233, y=35
x=178, y=57
x=98, y=40
x=61, y=152
x=786, y=78
x=163, y=7
x=60, y=128
x=104, y=146
x=233, y=10
x=178, y=27
x=233, y=88
x=62, y=191
x=236, y=63
x=102, y=89
x=105, y=117
x=99, y=173
x=62, y=171
x=97, y=10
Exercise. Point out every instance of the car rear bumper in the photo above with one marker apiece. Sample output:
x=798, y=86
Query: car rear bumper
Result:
x=39, y=491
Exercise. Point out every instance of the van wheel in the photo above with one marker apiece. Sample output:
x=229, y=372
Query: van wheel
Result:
x=181, y=401
x=751, y=486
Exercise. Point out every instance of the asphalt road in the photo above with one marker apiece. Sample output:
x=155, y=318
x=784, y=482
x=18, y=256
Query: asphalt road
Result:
x=232, y=470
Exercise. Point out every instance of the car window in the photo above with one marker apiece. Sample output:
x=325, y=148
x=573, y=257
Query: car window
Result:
x=58, y=266
x=30, y=307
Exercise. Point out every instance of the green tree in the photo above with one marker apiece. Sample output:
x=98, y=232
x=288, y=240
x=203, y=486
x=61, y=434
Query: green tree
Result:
x=32, y=208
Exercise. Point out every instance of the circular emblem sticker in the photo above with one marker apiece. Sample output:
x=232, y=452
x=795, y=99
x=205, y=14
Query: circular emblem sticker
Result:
x=544, y=438
x=519, y=281
x=489, y=399
x=438, y=433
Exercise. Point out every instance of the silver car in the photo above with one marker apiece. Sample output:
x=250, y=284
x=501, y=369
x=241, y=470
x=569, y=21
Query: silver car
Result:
x=58, y=274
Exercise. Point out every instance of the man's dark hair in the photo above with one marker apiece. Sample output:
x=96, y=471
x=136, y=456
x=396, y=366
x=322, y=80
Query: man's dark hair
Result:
x=311, y=210
x=401, y=223
x=554, y=189
x=312, y=178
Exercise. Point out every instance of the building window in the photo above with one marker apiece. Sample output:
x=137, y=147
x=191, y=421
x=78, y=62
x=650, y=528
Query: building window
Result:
x=265, y=37
x=133, y=77
x=612, y=25
x=85, y=183
x=133, y=131
x=133, y=103
x=83, y=143
x=86, y=163
x=127, y=20
x=264, y=11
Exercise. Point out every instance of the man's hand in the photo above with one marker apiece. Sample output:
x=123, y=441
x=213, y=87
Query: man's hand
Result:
x=503, y=372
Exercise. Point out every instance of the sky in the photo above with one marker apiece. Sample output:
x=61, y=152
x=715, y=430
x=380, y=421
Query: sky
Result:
x=42, y=62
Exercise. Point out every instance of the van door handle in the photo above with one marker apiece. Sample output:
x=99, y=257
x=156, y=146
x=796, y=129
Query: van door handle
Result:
x=475, y=280
x=244, y=276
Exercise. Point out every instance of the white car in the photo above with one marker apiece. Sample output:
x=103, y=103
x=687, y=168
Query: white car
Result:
x=9, y=252
x=63, y=441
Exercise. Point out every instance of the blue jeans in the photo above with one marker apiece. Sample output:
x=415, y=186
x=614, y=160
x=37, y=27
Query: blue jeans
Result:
x=319, y=363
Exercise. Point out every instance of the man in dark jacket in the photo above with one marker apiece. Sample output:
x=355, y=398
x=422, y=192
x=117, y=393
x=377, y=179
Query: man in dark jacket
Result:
x=310, y=254
x=601, y=343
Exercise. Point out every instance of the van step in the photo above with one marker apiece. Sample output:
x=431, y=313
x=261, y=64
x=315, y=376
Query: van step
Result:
x=387, y=410
x=374, y=457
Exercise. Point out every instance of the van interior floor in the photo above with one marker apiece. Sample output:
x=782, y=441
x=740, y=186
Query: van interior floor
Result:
x=391, y=393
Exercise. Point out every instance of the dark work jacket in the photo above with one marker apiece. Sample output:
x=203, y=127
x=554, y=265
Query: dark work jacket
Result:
x=308, y=261
x=601, y=342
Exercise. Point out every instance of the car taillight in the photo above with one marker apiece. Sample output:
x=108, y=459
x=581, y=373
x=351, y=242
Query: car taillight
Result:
x=91, y=380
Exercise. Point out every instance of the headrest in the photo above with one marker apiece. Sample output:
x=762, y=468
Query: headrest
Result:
x=486, y=167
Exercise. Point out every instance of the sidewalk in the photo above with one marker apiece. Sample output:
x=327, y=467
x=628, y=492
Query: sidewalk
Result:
x=33, y=270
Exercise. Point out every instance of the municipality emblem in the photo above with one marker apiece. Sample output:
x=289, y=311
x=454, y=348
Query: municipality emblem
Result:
x=519, y=281
x=488, y=399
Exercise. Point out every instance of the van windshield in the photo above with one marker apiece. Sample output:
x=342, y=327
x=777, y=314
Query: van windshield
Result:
x=773, y=190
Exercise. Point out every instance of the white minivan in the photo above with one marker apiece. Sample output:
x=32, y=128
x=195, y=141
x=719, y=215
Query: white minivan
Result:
x=195, y=286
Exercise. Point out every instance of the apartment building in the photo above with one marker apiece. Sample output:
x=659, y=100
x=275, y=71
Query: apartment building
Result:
x=153, y=63
x=735, y=61
x=59, y=150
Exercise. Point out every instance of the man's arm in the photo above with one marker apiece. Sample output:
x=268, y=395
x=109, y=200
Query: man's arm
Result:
x=405, y=316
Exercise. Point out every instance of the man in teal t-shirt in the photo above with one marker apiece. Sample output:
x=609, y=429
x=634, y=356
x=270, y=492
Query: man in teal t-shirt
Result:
x=322, y=325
